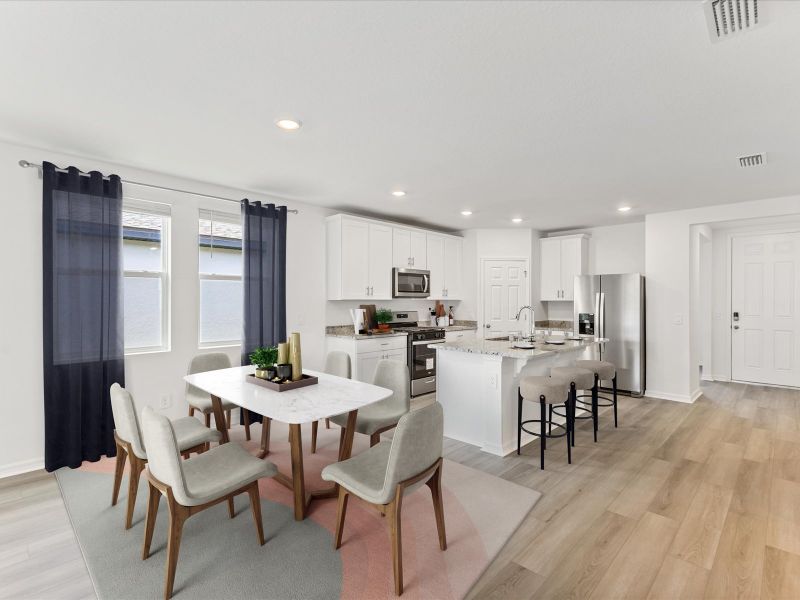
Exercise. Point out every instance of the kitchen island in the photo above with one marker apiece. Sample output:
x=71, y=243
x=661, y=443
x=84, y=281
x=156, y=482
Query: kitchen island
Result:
x=477, y=383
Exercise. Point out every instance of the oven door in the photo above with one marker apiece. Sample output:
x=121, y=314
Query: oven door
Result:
x=410, y=283
x=423, y=359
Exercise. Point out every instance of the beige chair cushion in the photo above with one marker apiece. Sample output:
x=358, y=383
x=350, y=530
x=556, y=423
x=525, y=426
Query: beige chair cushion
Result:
x=338, y=363
x=202, y=401
x=374, y=474
x=220, y=471
x=553, y=389
x=391, y=374
x=126, y=424
x=583, y=378
x=189, y=432
x=605, y=370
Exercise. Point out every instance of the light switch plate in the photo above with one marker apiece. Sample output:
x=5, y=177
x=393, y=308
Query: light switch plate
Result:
x=677, y=319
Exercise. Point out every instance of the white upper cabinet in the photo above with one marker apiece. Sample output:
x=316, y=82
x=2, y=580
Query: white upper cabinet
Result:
x=380, y=261
x=445, y=265
x=361, y=253
x=562, y=258
x=409, y=249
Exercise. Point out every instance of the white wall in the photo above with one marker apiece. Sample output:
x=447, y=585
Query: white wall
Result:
x=668, y=268
x=149, y=376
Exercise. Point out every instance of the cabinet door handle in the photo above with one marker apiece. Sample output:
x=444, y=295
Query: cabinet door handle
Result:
x=371, y=291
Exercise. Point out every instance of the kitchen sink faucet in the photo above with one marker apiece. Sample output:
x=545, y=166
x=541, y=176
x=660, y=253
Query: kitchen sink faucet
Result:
x=530, y=323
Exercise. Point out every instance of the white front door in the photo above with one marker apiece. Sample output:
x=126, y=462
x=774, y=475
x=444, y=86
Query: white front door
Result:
x=765, y=302
x=505, y=291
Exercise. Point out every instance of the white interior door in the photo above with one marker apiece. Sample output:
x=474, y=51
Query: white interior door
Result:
x=765, y=341
x=505, y=291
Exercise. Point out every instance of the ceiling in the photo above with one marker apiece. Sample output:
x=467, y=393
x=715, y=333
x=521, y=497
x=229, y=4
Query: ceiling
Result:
x=557, y=112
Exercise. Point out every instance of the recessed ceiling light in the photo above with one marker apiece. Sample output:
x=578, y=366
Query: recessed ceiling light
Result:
x=288, y=124
x=398, y=193
x=516, y=220
x=466, y=213
x=624, y=208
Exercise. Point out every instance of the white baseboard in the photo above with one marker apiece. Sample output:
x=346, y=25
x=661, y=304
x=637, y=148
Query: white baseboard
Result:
x=23, y=466
x=669, y=396
x=696, y=394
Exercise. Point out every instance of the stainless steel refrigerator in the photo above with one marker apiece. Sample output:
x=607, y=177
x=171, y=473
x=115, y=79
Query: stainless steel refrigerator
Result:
x=613, y=307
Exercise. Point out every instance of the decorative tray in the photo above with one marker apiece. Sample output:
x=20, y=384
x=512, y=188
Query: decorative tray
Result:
x=284, y=387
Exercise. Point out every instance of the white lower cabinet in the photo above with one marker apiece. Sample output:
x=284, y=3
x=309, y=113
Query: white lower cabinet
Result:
x=366, y=352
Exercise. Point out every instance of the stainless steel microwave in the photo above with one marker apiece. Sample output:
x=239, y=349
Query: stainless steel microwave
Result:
x=410, y=283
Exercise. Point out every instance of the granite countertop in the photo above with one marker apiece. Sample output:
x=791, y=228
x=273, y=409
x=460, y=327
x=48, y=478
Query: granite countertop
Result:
x=346, y=331
x=460, y=328
x=367, y=336
x=503, y=348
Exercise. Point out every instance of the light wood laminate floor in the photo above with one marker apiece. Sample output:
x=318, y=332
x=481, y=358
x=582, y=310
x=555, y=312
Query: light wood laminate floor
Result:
x=681, y=501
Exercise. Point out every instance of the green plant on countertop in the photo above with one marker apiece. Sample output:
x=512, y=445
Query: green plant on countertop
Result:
x=383, y=316
x=264, y=356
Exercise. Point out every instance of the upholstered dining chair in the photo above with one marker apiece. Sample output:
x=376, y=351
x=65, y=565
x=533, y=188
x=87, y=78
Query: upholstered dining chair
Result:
x=195, y=484
x=336, y=363
x=385, y=473
x=382, y=416
x=200, y=400
x=190, y=436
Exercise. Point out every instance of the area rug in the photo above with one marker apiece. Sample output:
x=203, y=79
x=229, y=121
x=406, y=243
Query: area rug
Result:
x=220, y=557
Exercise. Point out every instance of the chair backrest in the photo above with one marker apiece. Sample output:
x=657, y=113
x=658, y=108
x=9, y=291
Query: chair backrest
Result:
x=338, y=363
x=212, y=361
x=163, y=457
x=416, y=445
x=126, y=423
x=393, y=374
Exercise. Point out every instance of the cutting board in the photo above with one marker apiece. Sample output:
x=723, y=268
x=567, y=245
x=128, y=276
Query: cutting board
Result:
x=369, y=316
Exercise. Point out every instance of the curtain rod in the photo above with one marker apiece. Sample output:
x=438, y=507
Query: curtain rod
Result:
x=27, y=164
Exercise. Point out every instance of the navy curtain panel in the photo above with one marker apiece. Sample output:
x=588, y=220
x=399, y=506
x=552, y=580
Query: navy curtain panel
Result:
x=83, y=347
x=264, y=277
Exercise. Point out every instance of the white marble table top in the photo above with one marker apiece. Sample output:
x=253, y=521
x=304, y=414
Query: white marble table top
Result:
x=504, y=348
x=330, y=397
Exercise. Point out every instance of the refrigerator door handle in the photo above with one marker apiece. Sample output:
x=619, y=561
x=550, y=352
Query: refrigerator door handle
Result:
x=602, y=315
x=597, y=314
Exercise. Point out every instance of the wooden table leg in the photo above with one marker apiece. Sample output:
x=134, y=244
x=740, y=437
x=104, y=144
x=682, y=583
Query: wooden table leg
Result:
x=349, y=430
x=219, y=418
x=266, y=422
x=298, y=476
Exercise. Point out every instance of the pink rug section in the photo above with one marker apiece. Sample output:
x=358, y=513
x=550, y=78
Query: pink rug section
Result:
x=481, y=514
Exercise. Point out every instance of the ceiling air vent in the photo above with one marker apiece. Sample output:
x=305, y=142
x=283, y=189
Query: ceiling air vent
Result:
x=727, y=17
x=753, y=160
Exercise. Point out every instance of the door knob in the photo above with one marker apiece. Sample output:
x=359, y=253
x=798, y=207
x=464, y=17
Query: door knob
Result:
x=488, y=326
x=736, y=327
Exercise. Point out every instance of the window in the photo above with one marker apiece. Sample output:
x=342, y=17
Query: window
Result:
x=145, y=236
x=220, y=248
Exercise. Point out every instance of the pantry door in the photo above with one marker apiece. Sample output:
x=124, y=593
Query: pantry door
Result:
x=765, y=307
x=505, y=290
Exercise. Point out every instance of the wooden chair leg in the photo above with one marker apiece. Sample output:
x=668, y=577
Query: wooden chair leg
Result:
x=137, y=466
x=228, y=419
x=341, y=438
x=177, y=515
x=327, y=423
x=191, y=410
x=208, y=420
x=255, y=504
x=118, y=470
x=246, y=419
x=266, y=424
x=150, y=523
x=314, y=427
x=435, y=483
x=397, y=541
x=374, y=439
x=341, y=511
x=231, y=509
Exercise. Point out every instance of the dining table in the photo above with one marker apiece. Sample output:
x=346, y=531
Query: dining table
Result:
x=330, y=396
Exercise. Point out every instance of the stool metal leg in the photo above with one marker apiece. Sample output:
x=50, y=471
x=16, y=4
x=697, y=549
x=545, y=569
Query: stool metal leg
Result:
x=519, y=421
x=543, y=439
x=568, y=412
x=594, y=405
x=573, y=400
x=614, y=387
x=550, y=419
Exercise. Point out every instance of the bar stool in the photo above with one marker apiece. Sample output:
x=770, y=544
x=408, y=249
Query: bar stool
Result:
x=548, y=391
x=603, y=371
x=579, y=379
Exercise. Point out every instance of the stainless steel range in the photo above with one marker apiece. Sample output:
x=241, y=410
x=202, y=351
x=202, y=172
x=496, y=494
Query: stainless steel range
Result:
x=421, y=358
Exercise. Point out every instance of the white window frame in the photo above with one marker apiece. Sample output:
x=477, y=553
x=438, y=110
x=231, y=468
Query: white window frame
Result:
x=163, y=211
x=215, y=215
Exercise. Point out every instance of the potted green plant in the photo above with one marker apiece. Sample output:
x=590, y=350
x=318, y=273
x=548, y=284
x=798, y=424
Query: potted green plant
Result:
x=264, y=358
x=383, y=316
